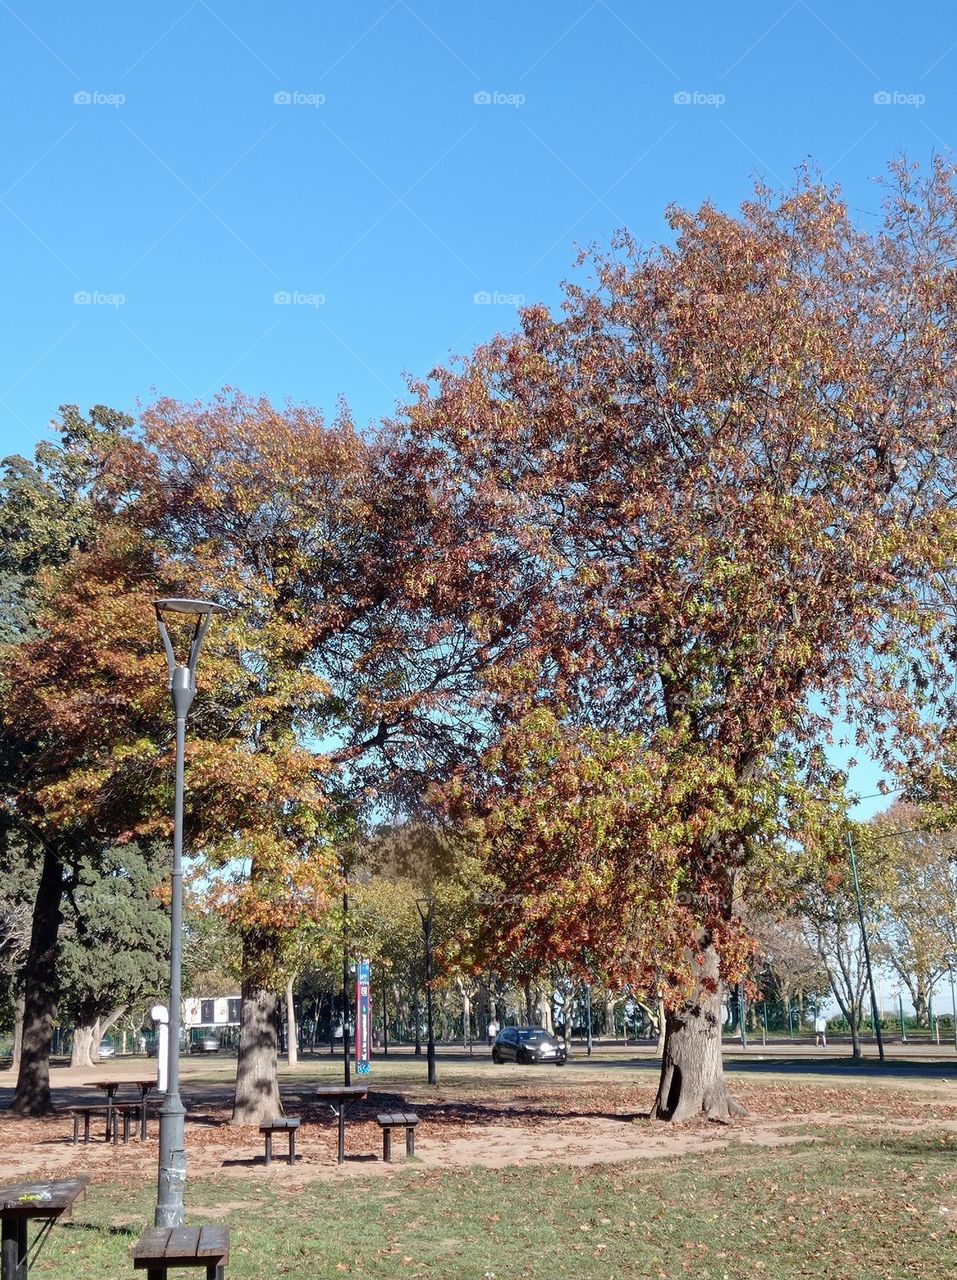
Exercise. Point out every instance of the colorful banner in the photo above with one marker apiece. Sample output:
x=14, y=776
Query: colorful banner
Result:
x=363, y=1019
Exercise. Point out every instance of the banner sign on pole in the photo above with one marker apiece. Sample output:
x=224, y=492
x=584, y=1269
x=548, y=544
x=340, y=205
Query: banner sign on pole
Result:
x=363, y=1018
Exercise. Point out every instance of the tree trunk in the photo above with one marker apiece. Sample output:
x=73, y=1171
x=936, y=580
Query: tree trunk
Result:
x=292, y=1042
x=529, y=1010
x=662, y=1025
x=610, y=1003
x=17, y=1035
x=692, y=1078
x=257, y=1085
x=32, y=1096
x=854, y=1023
x=81, y=1051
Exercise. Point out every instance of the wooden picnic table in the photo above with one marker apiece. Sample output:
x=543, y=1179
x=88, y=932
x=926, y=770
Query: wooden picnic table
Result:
x=110, y=1088
x=339, y=1097
x=21, y=1201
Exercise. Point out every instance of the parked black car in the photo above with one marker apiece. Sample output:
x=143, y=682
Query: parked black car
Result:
x=527, y=1044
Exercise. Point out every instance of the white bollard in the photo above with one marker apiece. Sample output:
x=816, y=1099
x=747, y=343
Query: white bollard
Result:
x=160, y=1015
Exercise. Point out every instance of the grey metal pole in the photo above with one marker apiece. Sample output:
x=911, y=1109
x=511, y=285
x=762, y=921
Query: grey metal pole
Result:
x=346, y=1002
x=867, y=951
x=430, y=1048
x=172, y=1135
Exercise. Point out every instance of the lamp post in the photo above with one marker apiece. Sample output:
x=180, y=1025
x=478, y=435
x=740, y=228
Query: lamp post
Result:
x=182, y=687
x=424, y=906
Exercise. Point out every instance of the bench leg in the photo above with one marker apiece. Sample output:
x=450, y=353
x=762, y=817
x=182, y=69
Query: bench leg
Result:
x=410, y=1141
x=143, y=1120
x=387, y=1145
x=268, y=1148
x=13, y=1250
x=292, y=1146
x=76, y=1129
x=215, y=1273
x=155, y=1273
x=126, y=1127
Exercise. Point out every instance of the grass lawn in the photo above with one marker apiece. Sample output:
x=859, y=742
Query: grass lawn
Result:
x=841, y=1203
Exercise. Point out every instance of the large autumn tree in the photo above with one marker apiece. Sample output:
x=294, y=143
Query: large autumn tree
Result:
x=323, y=694
x=698, y=517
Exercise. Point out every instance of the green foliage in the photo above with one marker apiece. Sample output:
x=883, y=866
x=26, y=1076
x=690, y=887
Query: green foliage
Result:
x=114, y=948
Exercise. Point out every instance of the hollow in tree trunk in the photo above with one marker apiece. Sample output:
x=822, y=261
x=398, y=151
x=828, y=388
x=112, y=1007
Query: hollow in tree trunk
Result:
x=32, y=1096
x=692, y=1083
x=257, y=1084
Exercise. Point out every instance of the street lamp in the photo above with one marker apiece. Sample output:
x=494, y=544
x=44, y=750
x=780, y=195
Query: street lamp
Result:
x=182, y=687
x=424, y=906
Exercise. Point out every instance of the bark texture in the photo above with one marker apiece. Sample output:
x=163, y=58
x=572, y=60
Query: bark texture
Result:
x=81, y=1051
x=32, y=1095
x=257, y=1086
x=692, y=1083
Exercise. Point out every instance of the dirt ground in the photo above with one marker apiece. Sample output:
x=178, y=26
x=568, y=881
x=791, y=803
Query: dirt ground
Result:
x=579, y=1118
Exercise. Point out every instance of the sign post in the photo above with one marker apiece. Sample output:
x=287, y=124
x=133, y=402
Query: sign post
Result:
x=363, y=1018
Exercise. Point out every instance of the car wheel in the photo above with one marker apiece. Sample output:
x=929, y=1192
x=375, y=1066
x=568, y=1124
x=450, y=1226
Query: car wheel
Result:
x=496, y=1057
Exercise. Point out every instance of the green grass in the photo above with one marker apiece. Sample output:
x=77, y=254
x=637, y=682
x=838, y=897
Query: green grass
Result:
x=841, y=1205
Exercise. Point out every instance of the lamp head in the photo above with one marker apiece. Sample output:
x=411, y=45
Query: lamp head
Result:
x=182, y=675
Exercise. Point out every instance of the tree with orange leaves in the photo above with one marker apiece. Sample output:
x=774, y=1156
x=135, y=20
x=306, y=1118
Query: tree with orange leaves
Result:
x=698, y=518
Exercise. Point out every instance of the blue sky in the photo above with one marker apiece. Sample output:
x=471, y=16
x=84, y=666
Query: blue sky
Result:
x=310, y=200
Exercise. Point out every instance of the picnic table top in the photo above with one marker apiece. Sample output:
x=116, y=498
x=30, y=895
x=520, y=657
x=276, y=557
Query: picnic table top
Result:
x=115, y=1084
x=342, y=1091
x=40, y=1199
x=180, y=1244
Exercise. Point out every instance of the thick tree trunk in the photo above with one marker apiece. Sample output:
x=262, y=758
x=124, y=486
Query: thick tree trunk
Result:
x=32, y=1096
x=292, y=1031
x=81, y=1052
x=529, y=1009
x=662, y=1028
x=692, y=1083
x=257, y=1085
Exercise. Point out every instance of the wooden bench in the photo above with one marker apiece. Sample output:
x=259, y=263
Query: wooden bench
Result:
x=160, y=1248
x=397, y=1120
x=281, y=1124
x=111, y=1113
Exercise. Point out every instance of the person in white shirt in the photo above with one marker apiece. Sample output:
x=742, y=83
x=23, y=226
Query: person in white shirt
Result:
x=492, y=1032
x=820, y=1031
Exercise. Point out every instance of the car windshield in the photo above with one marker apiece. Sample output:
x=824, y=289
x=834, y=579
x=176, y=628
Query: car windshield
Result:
x=535, y=1035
